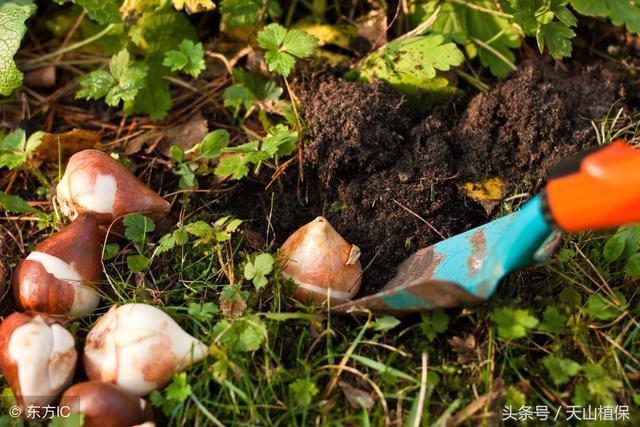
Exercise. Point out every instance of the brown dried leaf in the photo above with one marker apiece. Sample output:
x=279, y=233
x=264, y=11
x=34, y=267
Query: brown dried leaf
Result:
x=373, y=28
x=357, y=398
x=68, y=143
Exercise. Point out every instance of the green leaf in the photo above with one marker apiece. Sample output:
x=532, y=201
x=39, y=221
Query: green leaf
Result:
x=621, y=12
x=614, y=247
x=137, y=226
x=284, y=47
x=246, y=13
x=552, y=320
x=560, y=370
x=212, y=144
x=95, y=85
x=601, y=308
x=632, y=266
x=412, y=64
x=181, y=237
x=234, y=166
x=102, y=11
x=137, y=263
x=179, y=389
x=513, y=323
x=434, y=323
x=199, y=229
x=15, y=204
x=280, y=141
x=13, y=15
x=303, y=391
x=12, y=150
x=203, y=311
x=257, y=270
x=189, y=58
x=243, y=335
x=385, y=323
x=165, y=244
x=110, y=251
x=557, y=37
x=75, y=419
x=248, y=89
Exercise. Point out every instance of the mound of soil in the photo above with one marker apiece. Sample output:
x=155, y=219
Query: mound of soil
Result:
x=389, y=181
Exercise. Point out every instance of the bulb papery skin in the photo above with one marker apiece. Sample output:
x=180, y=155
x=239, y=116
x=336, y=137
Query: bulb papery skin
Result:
x=139, y=347
x=106, y=405
x=63, y=272
x=37, y=357
x=321, y=263
x=95, y=182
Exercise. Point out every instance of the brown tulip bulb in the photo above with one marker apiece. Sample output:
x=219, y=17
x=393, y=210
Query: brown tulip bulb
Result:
x=318, y=259
x=61, y=275
x=37, y=357
x=95, y=182
x=105, y=405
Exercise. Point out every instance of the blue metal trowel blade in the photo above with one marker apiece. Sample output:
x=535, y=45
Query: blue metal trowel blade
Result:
x=465, y=269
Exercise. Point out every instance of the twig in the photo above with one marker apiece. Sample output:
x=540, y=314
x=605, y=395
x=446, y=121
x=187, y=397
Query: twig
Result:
x=495, y=52
x=483, y=9
x=423, y=390
x=88, y=40
x=435, y=230
x=422, y=27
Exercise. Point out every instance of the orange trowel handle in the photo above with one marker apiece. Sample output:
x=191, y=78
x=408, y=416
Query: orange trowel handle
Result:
x=603, y=192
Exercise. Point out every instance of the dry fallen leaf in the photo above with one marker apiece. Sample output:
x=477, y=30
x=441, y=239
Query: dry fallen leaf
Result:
x=488, y=193
x=358, y=398
x=373, y=28
x=67, y=144
x=160, y=139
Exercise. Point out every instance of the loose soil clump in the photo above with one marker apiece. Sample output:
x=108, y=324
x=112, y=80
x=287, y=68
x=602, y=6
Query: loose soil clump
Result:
x=389, y=181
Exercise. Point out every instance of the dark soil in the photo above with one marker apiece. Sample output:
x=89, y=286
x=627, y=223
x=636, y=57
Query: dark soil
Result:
x=374, y=166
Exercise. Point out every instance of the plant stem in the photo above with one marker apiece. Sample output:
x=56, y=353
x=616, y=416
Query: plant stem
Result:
x=67, y=49
x=482, y=9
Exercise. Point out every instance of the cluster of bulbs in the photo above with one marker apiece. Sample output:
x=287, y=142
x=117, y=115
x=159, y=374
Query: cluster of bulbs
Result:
x=133, y=349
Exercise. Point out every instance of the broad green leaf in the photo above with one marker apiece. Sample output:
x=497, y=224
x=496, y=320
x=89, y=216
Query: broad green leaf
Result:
x=248, y=88
x=179, y=389
x=434, y=323
x=95, y=85
x=557, y=37
x=614, y=247
x=280, y=141
x=246, y=13
x=137, y=263
x=513, y=323
x=203, y=311
x=74, y=419
x=110, y=251
x=212, y=144
x=188, y=58
x=602, y=308
x=303, y=391
x=165, y=244
x=232, y=166
x=552, y=320
x=137, y=226
x=632, y=266
x=413, y=63
x=15, y=204
x=621, y=12
x=284, y=47
x=385, y=323
x=102, y=11
x=462, y=25
x=560, y=370
x=199, y=229
x=13, y=15
x=258, y=269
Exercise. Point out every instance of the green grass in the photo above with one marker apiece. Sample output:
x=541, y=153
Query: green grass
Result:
x=559, y=334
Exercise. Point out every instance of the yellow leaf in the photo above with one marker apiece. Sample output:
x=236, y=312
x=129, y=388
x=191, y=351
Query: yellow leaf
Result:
x=338, y=35
x=488, y=192
x=193, y=6
x=66, y=144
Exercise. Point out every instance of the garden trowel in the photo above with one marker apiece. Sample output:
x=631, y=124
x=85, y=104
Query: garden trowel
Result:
x=588, y=191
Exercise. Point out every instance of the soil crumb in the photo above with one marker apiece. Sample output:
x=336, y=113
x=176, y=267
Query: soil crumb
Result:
x=389, y=181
